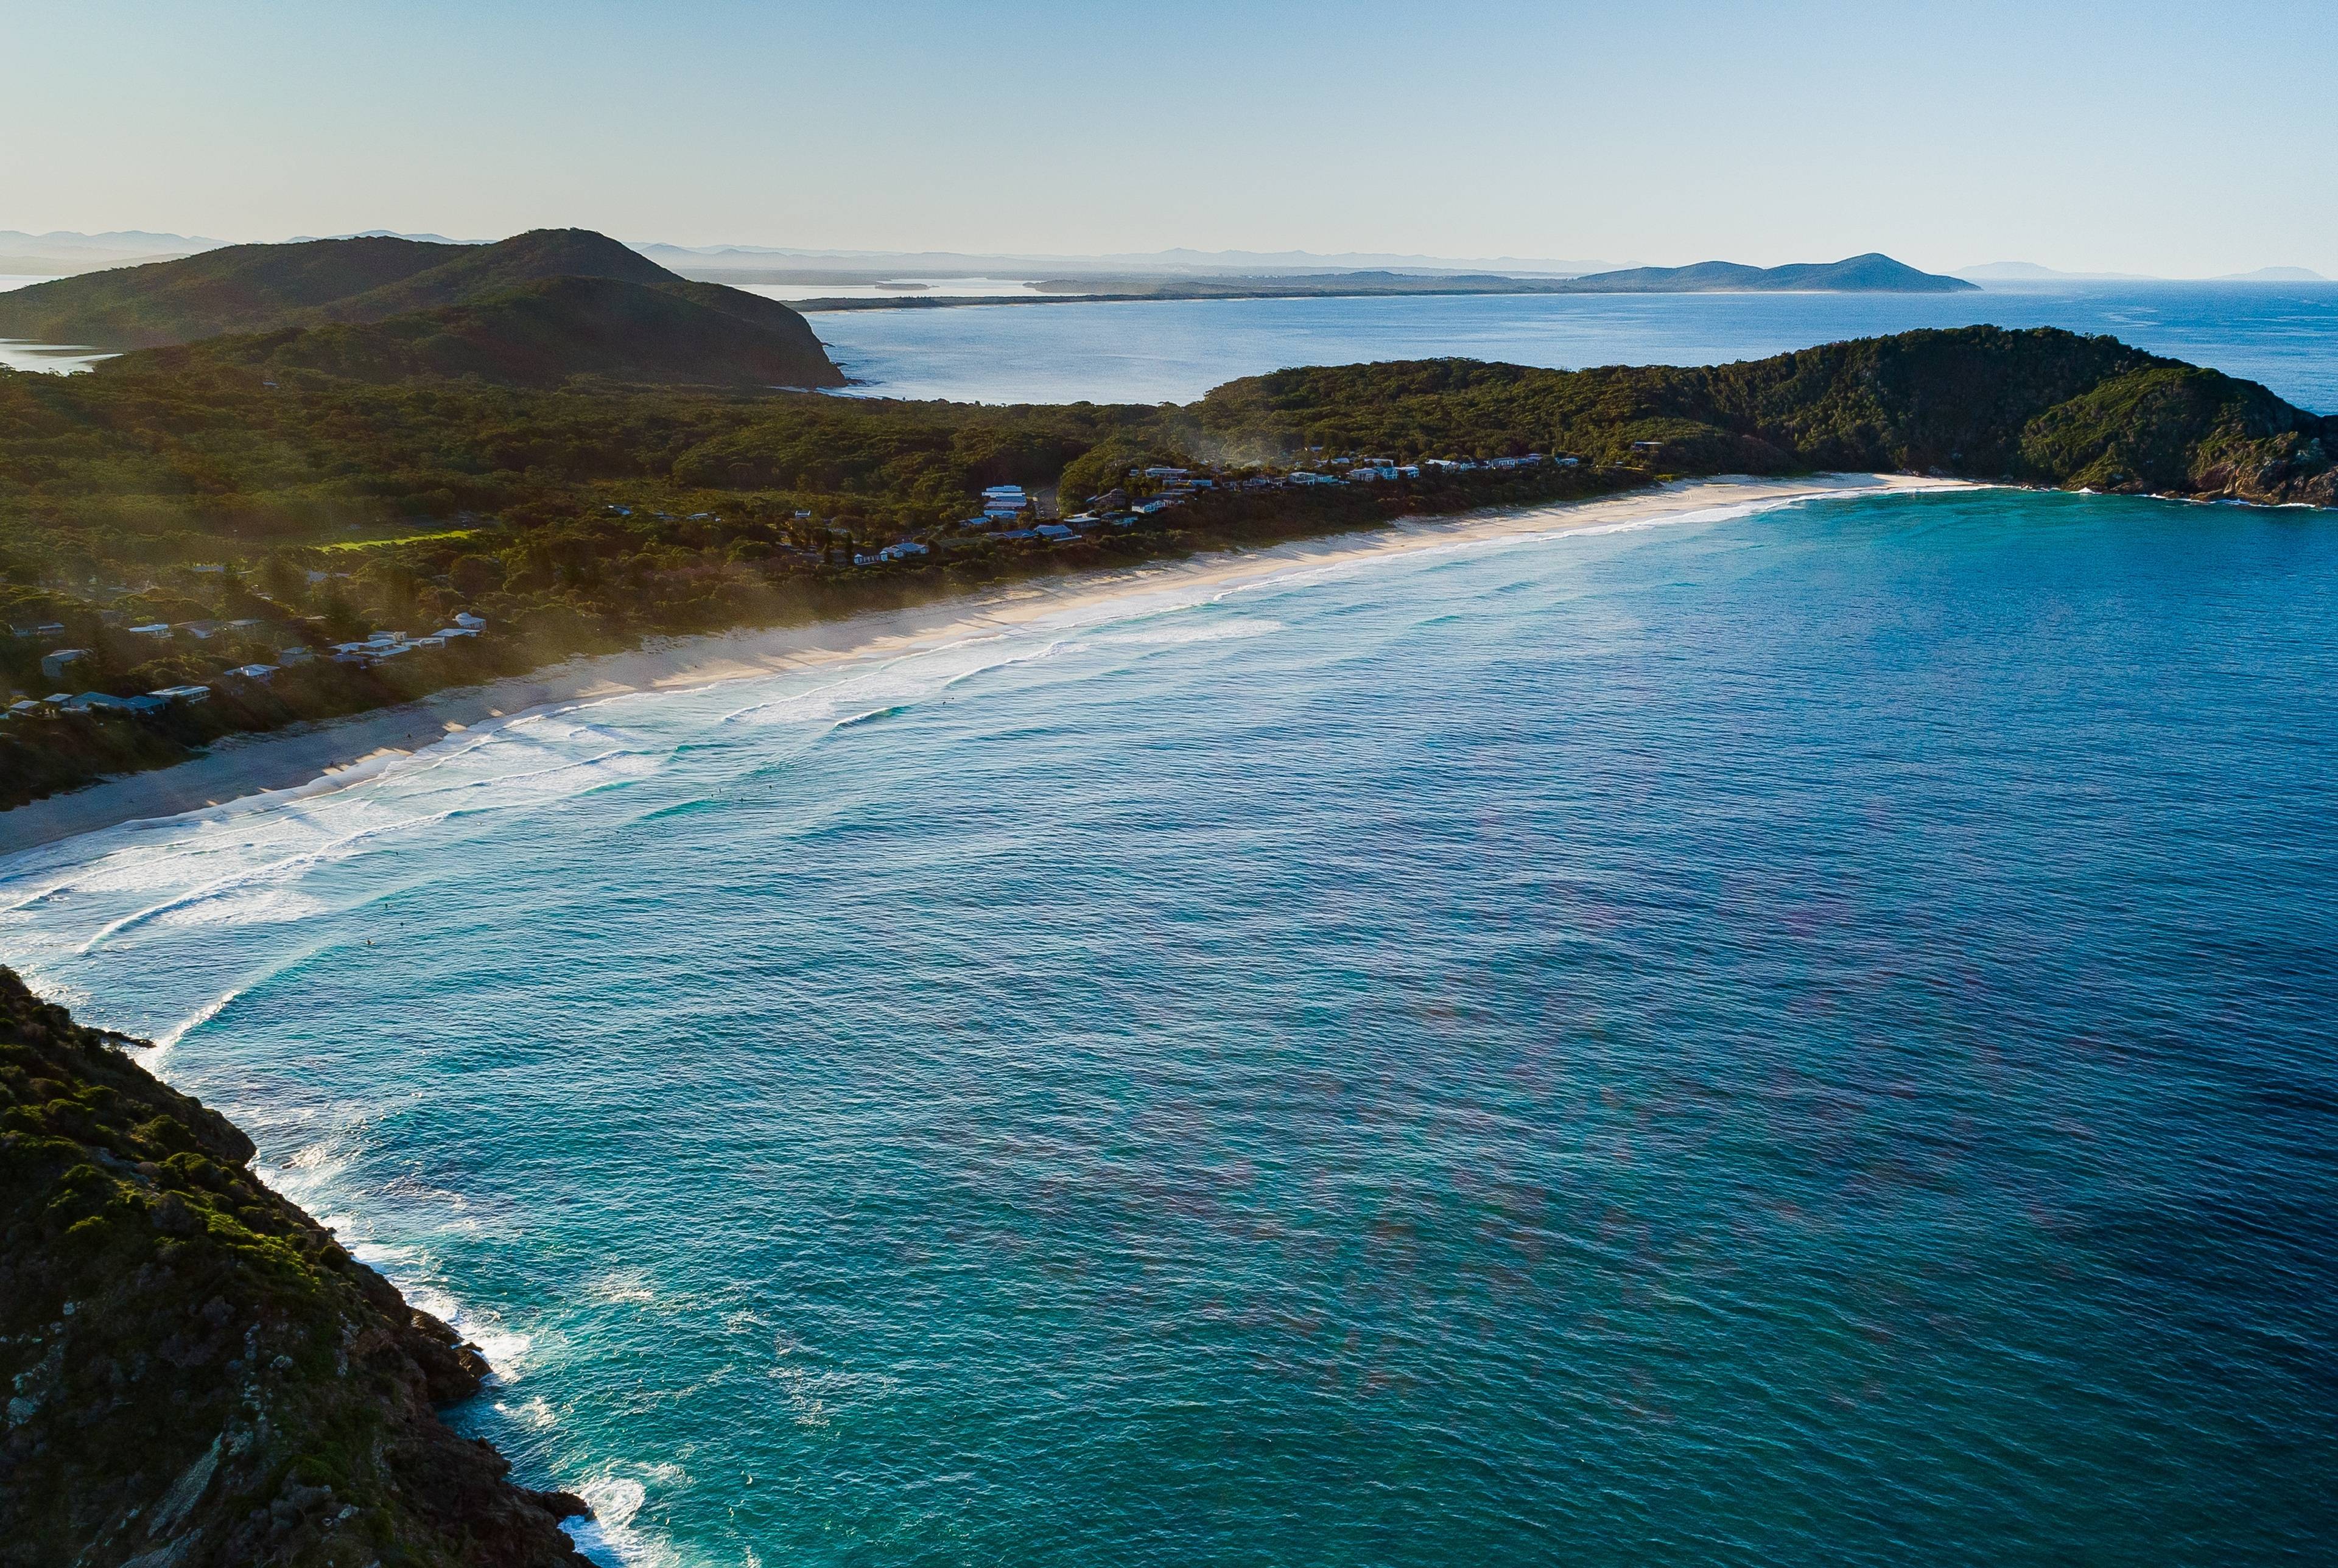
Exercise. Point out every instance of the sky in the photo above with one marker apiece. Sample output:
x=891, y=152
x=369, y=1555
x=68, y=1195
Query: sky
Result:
x=2181, y=140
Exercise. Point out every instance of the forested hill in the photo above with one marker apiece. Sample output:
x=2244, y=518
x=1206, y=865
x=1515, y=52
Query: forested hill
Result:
x=261, y=288
x=529, y=311
x=2040, y=407
x=197, y=1374
x=539, y=334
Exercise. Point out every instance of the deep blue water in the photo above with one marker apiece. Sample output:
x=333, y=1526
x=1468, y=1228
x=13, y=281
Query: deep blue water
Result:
x=2283, y=335
x=1792, y=1038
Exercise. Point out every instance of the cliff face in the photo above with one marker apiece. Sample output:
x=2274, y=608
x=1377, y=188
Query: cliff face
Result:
x=196, y=1375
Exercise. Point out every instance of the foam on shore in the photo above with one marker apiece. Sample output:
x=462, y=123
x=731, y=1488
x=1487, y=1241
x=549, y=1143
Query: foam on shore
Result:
x=247, y=772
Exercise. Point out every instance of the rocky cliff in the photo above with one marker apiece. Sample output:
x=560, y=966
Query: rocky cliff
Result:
x=197, y=1375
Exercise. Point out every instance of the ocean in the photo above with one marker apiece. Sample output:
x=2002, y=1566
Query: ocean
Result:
x=2283, y=335
x=1794, y=1035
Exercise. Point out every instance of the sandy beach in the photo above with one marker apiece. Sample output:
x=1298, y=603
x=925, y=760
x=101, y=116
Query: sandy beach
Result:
x=353, y=748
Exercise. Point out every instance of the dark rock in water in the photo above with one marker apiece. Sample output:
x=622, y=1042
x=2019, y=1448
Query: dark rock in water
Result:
x=198, y=1375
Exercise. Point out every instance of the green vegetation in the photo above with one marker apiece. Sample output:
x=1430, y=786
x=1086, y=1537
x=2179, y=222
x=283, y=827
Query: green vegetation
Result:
x=434, y=537
x=2034, y=408
x=176, y=488
x=195, y=1368
x=540, y=334
x=531, y=311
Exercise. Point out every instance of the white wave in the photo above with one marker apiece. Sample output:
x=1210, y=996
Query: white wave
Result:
x=536, y=1415
x=1183, y=636
x=506, y=1349
x=242, y=878
x=192, y=1021
x=609, y=1537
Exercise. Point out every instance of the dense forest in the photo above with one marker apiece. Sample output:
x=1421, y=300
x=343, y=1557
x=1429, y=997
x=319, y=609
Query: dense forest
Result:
x=179, y=512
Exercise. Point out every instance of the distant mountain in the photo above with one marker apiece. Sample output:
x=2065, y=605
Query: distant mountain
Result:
x=113, y=242
x=386, y=234
x=776, y=262
x=541, y=332
x=1873, y=273
x=2273, y=275
x=61, y=253
x=2031, y=272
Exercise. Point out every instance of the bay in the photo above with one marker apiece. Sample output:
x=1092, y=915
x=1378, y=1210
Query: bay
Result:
x=2283, y=335
x=1790, y=1036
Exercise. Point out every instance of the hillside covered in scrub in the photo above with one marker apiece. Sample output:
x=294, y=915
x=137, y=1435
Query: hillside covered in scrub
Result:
x=2041, y=406
x=227, y=521
x=529, y=310
x=197, y=1376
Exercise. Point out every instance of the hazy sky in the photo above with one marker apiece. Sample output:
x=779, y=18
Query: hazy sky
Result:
x=2180, y=139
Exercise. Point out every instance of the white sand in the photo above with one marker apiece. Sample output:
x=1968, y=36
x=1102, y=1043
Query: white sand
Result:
x=246, y=764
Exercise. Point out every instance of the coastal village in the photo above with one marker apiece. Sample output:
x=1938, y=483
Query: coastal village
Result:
x=322, y=640
x=250, y=652
x=1011, y=515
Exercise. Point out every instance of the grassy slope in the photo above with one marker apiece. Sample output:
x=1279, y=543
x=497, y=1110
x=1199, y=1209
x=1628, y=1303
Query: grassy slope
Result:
x=240, y=288
x=197, y=1370
x=539, y=333
x=645, y=324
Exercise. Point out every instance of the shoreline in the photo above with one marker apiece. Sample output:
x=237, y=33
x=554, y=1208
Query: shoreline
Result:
x=348, y=750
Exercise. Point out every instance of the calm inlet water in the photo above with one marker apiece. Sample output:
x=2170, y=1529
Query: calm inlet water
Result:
x=2283, y=335
x=1785, y=1038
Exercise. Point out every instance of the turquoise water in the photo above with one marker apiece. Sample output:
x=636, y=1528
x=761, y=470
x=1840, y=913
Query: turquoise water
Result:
x=2283, y=335
x=1782, y=1038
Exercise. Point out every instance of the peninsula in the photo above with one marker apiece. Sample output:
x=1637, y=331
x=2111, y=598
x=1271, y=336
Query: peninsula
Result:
x=1868, y=274
x=306, y=520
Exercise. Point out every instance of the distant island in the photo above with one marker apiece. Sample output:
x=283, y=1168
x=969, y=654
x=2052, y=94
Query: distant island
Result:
x=392, y=470
x=1868, y=274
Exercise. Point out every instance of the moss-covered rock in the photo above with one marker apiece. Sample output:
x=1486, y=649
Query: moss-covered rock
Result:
x=197, y=1375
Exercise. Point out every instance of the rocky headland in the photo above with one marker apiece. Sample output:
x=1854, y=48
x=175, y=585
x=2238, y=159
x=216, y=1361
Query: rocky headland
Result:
x=197, y=1374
